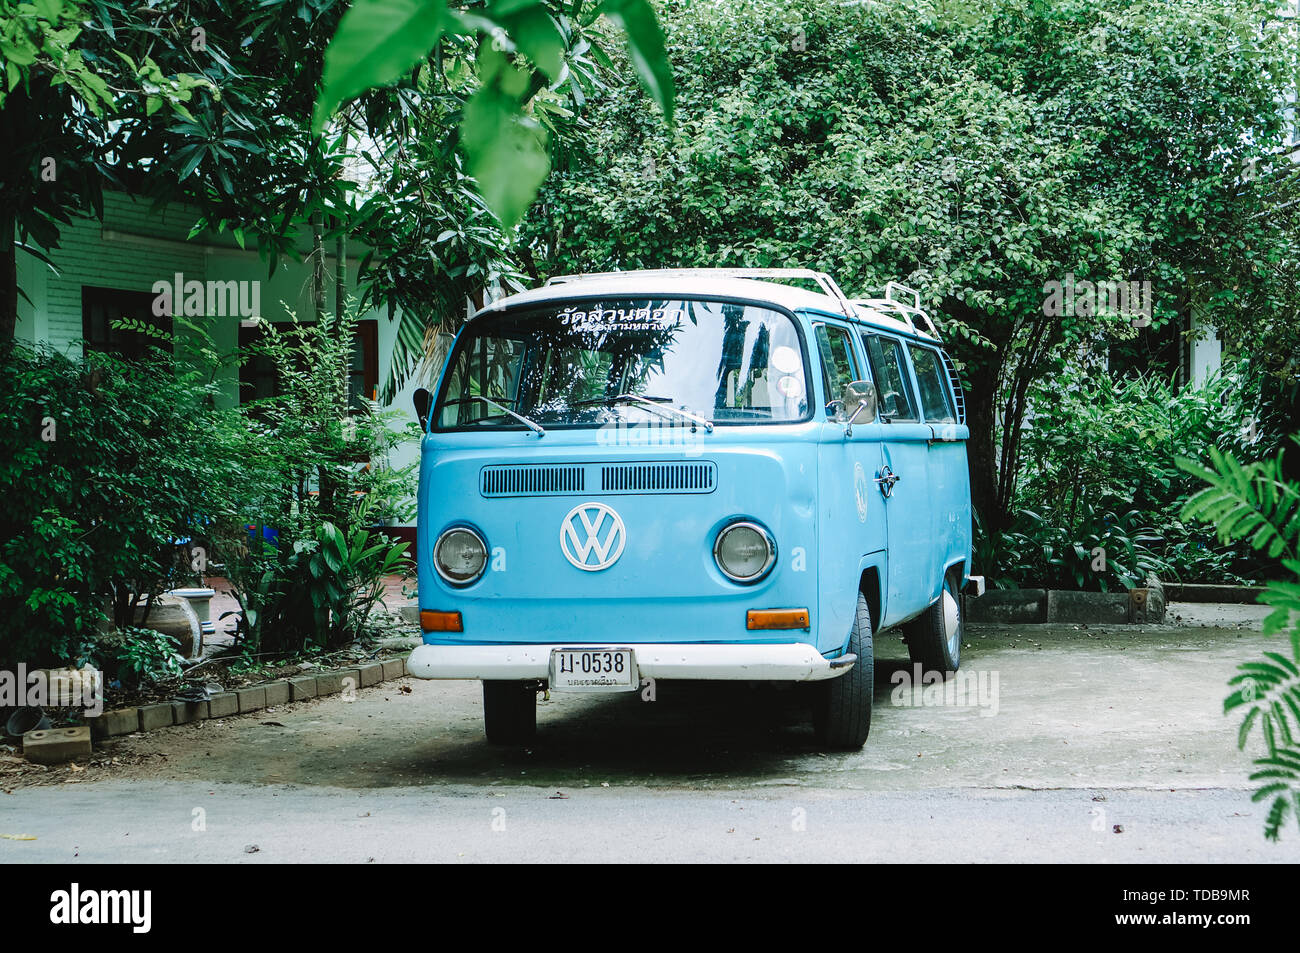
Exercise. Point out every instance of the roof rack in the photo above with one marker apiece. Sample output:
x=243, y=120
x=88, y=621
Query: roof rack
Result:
x=824, y=281
x=905, y=312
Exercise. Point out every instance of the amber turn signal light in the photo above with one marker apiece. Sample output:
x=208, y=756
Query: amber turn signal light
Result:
x=431, y=621
x=776, y=619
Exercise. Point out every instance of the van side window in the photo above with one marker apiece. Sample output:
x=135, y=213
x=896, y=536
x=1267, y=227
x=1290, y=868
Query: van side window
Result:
x=890, y=373
x=836, y=351
x=935, y=402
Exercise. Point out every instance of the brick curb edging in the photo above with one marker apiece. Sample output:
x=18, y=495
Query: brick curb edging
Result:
x=1019, y=606
x=239, y=701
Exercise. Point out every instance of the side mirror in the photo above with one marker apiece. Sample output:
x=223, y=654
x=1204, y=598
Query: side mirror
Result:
x=856, y=404
x=423, y=401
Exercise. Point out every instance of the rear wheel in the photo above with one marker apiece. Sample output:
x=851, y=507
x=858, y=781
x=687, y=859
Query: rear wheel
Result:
x=934, y=637
x=509, y=712
x=842, y=708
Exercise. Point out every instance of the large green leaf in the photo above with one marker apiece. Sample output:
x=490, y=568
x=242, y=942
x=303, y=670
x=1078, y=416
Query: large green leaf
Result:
x=535, y=34
x=505, y=150
x=645, y=42
x=377, y=42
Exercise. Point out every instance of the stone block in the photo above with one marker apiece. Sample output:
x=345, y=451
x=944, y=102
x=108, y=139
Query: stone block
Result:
x=57, y=745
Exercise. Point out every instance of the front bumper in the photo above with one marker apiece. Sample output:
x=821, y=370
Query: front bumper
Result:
x=792, y=661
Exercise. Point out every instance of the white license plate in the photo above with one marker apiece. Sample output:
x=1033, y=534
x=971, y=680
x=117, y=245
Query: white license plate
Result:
x=593, y=670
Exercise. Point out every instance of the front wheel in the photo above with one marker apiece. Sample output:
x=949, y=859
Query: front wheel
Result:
x=842, y=709
x=934, y=637
x=509, y=712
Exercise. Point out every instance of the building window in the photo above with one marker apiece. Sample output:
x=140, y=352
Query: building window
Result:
x=258, y=378
x=363, y=375
x=103, y=308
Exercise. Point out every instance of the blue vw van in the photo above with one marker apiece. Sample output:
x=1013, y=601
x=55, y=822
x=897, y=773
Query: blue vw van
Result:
x=691, y=474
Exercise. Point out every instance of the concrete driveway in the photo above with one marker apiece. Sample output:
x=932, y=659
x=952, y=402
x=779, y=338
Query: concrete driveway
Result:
x=1068, y=743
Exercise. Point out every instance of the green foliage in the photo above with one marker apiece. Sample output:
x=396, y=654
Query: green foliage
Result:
x=521, y=55
x=318, y=479
x=974, y=151
x=103, y=465
x=1253, y=503
x=377, y=42
x=81, y=81
x=1097, y=551
x=506, y=152
x=347, y=575
x=1096, y=445
x=1249, y=502
x=143, y=656
x=111, y=471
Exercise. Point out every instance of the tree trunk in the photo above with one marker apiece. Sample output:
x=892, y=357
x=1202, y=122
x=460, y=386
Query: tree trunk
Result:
x=8, y=282
x=341, y=275
x=983, y=368
x=317, y=265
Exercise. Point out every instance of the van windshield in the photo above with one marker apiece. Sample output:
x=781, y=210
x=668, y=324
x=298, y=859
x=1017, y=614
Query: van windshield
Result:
x=585, y=363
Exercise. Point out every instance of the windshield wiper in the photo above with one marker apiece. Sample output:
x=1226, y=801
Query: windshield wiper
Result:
x=530, y=424
x=706, y=424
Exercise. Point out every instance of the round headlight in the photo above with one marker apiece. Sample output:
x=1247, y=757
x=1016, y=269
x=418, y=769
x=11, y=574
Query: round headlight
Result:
x=460, y=555
x=744, y=552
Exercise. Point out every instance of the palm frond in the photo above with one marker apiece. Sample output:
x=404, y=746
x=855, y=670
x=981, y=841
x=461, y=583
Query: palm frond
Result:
x=1249, y=502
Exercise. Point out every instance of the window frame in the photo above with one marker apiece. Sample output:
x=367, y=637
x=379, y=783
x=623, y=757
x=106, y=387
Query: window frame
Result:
x=905, y=367
x=855, y=371
x=127, y=345
x=942, y=368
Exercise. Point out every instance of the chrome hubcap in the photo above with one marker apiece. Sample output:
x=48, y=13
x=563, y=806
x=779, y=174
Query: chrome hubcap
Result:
x=951, y=622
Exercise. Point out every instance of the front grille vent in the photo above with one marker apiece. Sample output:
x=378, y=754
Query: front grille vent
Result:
x=595, y=479
x=657, y=477
x=533, y=480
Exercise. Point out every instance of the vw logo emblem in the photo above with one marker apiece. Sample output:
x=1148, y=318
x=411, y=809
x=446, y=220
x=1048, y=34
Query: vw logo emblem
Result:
x=592, y=536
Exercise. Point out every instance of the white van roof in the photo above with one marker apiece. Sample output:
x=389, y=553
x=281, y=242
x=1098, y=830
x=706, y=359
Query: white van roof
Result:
x=887, y=313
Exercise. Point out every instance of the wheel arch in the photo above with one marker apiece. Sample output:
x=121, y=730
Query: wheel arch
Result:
x=870, y=581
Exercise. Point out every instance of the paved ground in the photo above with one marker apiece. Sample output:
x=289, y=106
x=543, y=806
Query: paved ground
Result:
x=1099, y=745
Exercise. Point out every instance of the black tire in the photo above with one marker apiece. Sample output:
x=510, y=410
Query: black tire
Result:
x=929, y=640
x=842, y=709
x=509, y=712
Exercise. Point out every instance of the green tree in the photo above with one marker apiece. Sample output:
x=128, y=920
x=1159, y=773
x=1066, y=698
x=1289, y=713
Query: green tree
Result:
x=451, y=120
x=975, y=152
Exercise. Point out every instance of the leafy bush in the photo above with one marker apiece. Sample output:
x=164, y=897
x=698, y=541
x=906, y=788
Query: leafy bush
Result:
x=142, y=656
x=1101, y=551
x=103, y=466
x=111, y=472
x=1252, y=503
x=1097, y=446
x=299, y=551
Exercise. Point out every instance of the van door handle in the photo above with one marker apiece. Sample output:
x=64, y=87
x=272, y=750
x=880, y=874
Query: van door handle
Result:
x=886, y=481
